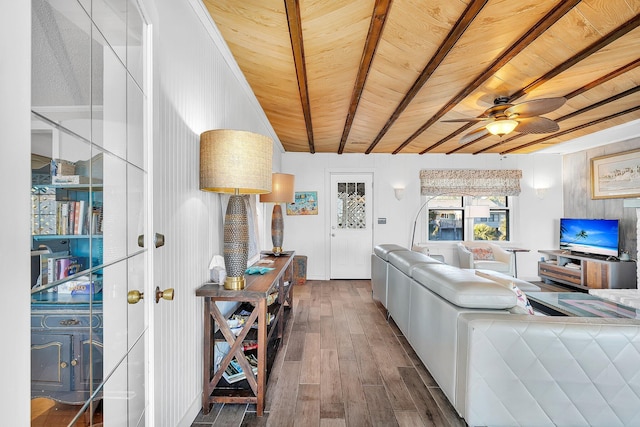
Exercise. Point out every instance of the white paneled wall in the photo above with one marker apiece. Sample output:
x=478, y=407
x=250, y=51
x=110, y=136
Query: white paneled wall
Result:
x=197, y=87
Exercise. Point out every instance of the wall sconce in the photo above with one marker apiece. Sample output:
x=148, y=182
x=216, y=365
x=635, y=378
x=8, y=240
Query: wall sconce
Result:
x=540, y=192
x=237, y=162
x=281, y=192
x=399, y=192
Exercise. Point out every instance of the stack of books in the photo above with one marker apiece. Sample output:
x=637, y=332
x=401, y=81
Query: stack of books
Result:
x=234, y=372
x=56, y=266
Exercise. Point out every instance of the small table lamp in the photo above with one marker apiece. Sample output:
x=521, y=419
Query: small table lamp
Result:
x=281, y=192
x=237, y=162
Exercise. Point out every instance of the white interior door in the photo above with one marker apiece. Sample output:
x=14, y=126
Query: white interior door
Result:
x=351, y=232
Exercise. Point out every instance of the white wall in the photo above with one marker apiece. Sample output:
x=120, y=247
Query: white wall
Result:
x=15, y=149
x=535, y=225
x=197, y=87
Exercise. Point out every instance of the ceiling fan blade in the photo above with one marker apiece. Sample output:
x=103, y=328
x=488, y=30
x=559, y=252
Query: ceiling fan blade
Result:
x=474, y=135
x=536, y=125
x=535, y=107
x=470, y=119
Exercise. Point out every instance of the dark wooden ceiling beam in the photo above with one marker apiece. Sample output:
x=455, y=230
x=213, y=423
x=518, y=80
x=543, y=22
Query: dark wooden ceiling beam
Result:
x=378, y=19
x=541, y=26
x=297, y=47
x=585, y=53
x=582, y=126
x=597, y=82
x=453, y=135
x=470, y=13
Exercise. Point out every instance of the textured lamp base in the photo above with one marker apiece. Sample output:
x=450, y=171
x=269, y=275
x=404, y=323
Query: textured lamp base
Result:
x=277, y=228
x=236, y=242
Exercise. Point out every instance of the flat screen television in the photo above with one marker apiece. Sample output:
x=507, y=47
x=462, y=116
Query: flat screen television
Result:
x=590, y=236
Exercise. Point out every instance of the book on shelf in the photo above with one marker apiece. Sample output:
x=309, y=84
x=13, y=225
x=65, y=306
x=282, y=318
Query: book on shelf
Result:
x=68, y=266
x=83, y=285
x=76, y=217
x=234, y=372
x=45, y=260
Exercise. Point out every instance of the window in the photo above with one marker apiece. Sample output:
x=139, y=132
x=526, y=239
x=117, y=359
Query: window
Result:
x=447, y=219
x=496, y=226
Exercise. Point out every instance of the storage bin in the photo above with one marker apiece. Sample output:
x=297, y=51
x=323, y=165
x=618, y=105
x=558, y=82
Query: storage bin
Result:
x=299, y=269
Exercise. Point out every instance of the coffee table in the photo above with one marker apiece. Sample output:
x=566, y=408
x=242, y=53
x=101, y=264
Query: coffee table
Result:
x=579, y=304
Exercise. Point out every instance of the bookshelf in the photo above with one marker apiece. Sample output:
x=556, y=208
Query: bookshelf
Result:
x=66, y=302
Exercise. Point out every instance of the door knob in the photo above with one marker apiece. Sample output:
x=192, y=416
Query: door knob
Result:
x=167, y=294
x=134, y=296
x=158, y=240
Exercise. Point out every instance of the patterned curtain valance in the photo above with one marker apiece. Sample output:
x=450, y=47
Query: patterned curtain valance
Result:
x=471, y=182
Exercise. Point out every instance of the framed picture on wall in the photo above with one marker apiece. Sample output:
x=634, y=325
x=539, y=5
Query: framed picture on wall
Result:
x=616, y=175
x=305, y=203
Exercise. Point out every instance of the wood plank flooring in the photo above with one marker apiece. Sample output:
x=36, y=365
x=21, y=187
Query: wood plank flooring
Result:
x=341, y=363
x=48, y=413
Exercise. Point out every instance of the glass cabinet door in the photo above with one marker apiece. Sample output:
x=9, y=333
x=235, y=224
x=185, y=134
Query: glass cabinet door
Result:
x=89, y=200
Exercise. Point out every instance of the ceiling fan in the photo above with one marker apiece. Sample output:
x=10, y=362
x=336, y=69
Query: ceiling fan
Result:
x=503, y=118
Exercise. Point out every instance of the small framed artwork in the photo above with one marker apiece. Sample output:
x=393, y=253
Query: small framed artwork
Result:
x=616, y=175
x=305, y=203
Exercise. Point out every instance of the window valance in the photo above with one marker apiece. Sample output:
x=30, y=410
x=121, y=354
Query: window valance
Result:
x=471, y=182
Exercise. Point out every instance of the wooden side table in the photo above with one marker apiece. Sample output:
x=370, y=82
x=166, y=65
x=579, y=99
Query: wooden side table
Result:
x=257, y=290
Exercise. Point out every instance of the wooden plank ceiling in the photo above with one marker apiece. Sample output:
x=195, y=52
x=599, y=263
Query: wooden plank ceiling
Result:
x=381, y=76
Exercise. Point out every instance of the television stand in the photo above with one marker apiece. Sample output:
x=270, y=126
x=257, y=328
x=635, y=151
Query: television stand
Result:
x=586, y=272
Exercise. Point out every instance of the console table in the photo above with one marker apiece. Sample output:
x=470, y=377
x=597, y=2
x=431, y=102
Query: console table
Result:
x=257, y=298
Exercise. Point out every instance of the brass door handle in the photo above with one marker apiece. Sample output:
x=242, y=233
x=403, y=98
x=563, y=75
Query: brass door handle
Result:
x=167, y=294
x=133, y=297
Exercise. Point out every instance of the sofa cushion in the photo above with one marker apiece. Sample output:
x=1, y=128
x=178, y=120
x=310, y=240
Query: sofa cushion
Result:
x=505, y=279
x=481, y=254
x=463, y=288
x=406, y=260
x=492, y=265
x=383, y=250
x=523, y=306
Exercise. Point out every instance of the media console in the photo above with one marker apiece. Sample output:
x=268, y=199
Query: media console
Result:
x=587, y=272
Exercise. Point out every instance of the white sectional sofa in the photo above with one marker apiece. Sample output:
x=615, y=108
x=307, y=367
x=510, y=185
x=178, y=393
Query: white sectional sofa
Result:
x=503, y=369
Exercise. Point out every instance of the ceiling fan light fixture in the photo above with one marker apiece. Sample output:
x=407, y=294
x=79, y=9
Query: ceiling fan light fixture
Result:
x=501, y=127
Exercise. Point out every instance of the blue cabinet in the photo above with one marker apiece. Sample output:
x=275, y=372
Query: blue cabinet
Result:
x=66, y=346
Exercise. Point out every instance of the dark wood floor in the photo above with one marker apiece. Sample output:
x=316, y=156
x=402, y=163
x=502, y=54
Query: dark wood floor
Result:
x=342, y=364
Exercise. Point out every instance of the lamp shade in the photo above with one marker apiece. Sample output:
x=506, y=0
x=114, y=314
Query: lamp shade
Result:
x=281, y=189
x=233, y=160
x=501, y=127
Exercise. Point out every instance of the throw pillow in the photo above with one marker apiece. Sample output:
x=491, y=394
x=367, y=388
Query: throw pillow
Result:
x=523, y=306
x=481, y=254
